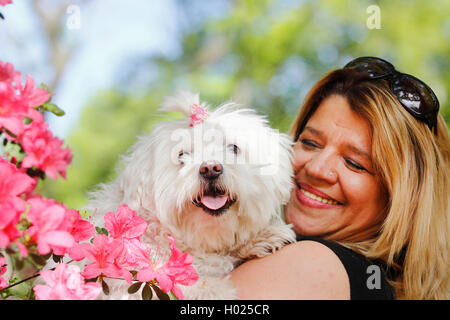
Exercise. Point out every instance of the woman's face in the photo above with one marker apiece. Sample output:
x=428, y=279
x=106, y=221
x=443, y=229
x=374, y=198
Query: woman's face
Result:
x=337, y=193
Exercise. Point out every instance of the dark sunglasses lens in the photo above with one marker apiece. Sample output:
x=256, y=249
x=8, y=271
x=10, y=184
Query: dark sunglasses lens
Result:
x=415, y=95
x=372, y=66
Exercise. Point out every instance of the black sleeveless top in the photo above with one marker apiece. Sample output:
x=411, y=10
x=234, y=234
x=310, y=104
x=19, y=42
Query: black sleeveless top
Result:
x=367, y=278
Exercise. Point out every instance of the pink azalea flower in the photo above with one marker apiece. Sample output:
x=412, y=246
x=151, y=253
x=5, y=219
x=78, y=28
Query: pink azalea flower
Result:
x=125, y=225
x=177, y=270
x=44, y=151
x=7, y=72
x=13, y=183
x=47, y=217
x=134, y=255
x=80, y=229
x=34, y=97
x=102, y=253
x=66, y=283
x=17, y=102
x=3, y=282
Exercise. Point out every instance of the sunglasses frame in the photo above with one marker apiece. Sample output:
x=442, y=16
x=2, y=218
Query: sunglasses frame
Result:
x=429, y=117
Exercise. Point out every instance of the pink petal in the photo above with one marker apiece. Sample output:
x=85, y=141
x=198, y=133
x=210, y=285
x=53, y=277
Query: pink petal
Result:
x=91, y=271
x=22, y=249
x=91, y=290
x=109, y=223
x=136, y=228
x=59, y=239
x=177, y=292
x=4, y=239
x=52, y=217
x=146, y=274
x=43, y=292
x=164, y=281
x=19, y=183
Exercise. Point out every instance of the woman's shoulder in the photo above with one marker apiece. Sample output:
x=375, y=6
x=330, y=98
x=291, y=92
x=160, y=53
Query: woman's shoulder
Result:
x=366, y=278
x=302, y=270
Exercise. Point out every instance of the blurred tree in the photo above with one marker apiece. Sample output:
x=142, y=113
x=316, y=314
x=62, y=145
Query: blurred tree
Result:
x=261, y=53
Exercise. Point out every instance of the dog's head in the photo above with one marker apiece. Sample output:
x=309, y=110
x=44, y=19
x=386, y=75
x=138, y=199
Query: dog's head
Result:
x=214, y=178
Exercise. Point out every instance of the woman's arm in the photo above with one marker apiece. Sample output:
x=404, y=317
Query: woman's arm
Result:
x=302, y=270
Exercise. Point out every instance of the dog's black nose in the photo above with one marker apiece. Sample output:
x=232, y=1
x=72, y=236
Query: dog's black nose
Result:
x=211, y=169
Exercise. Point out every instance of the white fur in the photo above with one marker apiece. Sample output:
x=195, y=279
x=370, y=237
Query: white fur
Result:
x=160, y=188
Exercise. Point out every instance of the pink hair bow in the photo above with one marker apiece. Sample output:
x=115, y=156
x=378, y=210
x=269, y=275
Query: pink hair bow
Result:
x=198, y=114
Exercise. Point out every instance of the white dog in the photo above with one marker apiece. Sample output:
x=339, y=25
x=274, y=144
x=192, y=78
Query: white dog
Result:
x=215, y=182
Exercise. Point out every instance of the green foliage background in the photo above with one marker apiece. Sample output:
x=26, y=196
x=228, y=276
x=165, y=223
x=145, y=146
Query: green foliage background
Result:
x=264, y=54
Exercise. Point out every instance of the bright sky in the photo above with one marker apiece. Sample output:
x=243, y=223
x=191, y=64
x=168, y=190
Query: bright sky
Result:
x=111, y=33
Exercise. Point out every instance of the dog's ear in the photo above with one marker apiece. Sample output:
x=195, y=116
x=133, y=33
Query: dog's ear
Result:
x=181, y=102
x=135, y=180
x=281, y=173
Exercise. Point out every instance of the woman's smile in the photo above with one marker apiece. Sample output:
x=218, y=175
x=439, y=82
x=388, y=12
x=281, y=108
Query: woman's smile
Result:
x=313, y=198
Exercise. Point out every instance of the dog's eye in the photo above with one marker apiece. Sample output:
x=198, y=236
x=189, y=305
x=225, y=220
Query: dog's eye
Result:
x=234, y=148
x=182, y=153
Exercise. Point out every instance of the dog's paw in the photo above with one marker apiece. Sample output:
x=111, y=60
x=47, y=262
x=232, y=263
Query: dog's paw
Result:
x=267, y=241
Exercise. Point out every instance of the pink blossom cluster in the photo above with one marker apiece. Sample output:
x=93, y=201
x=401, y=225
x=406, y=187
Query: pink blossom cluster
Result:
x=25, y=125
x=122, y=251
x=14, y=185
x=43, y=226
x=66, y=283
x=53, y=226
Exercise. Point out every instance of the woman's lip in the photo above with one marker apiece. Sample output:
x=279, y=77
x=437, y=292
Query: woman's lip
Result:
x=314, y=191
x=312, y=203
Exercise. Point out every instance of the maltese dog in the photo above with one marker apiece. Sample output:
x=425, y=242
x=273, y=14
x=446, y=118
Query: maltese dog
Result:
x=215, y=181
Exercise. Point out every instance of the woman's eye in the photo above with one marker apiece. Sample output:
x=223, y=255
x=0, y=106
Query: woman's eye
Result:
x=308, y=143
x=355, y=165
x=234, y=148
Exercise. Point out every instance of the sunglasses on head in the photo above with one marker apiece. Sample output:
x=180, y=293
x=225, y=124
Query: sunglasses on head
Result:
x=414, y=95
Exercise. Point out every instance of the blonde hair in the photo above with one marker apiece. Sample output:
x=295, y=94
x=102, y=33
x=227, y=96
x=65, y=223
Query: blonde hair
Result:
x=413, y=165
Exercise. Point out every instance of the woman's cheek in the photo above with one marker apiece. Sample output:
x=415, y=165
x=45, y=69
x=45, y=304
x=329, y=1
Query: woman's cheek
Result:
x=300, y=158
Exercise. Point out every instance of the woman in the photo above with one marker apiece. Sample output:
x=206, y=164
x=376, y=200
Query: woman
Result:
x=371, y=201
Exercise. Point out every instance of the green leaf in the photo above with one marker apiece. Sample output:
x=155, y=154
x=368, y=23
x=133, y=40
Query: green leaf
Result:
x=134, y=287
x=38, y=259
x=27, y=120
x=19, y=263
x=161, y=294
x=147, y=293
x=57, y=259
x=101, y=231
x=10, y=251
x=92, y=279
x=53, y=108
x=105, y=287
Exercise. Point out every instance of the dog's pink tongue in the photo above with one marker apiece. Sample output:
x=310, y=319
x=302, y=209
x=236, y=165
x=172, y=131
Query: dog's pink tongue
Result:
x=214, y=203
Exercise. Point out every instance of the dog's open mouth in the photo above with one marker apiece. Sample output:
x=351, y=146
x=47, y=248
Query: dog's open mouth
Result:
x=214, y=202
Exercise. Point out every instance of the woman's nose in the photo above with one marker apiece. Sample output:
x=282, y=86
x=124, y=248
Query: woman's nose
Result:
x=322, y=166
